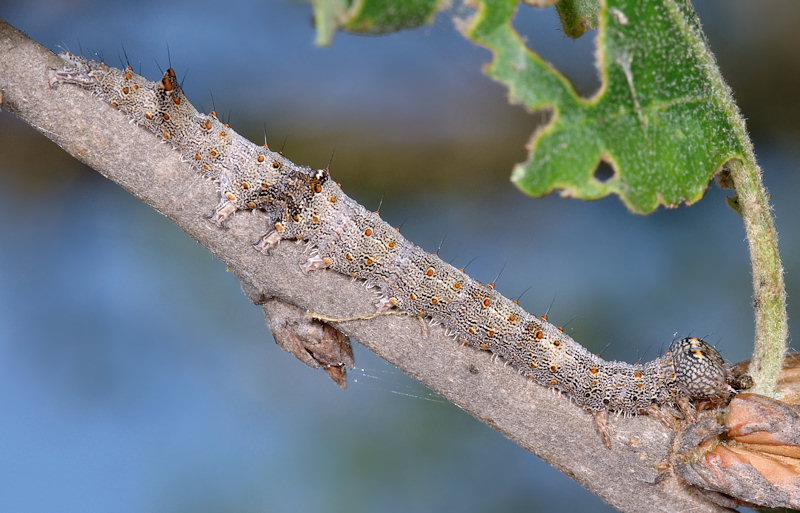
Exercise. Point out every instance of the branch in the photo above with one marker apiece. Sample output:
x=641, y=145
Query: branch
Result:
x=543, y=422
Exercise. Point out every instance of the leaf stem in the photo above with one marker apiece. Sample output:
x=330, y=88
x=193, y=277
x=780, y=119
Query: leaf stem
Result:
x=769, y=294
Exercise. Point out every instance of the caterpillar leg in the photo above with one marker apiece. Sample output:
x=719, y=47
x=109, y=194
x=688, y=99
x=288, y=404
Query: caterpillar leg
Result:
x=602, y=426
x=660, y=415
x=223, y=211
x=315, y=263
x=268, y=241
x=686, y=407
x=385, y=303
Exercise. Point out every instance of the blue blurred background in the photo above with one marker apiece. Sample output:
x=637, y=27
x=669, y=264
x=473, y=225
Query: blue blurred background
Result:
x=135, y=376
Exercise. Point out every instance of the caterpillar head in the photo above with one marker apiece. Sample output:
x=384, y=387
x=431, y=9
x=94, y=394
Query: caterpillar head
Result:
x=700, y=370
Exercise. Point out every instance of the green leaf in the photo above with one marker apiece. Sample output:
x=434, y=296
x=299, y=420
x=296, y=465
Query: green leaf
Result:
x=371, y=16
x=578, y=16
x=662, y=118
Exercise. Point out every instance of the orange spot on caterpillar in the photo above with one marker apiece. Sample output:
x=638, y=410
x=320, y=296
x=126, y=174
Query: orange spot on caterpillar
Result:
x=413, y=297
x=349, y=256
x=396, y=229
x=390, y=244
x=472, y=330
x=166, y=135
x=227, y=125
x=207, y=125
x=393, y=300
x=148, y=115
x=197, y=156
x=222, y=134
x=556, y=343
x=534, y=365
x=205, y=166
x=640, y=385
x=354, y=275
x=129, y=68
x=128, y=76
x=484, y=345
x=213, y=153
x=538, y=335
x=561, y=328
x=544, y=317
x=553, y=368
x=126, y=90
x=176, y=100
x=114, y=104
x=491, y=285
x=276, y=164
x=260, y=158
x=264, y=185
x=490, y=333
x=327, y=261
x=434, y=300
x=429, y=272
x=213, y=113
x=512, y=318
x=637, y=374
x=166, y=84
x=553, y=382
x=230, y=196
x=317, y=188
x=135, y=87
x=332, y=199
x=457, y=285
x=486, y=302
x=594, y=370
x=368, y=232
x=296, y=217
x=315, y=219
x=251, y=204
x=245, y=185
x=279, y=227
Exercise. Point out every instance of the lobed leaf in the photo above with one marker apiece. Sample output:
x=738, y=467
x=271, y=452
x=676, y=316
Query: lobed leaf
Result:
x=371, y=16
x=660, y=118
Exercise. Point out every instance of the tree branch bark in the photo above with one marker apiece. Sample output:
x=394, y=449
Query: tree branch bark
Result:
x=541, y=421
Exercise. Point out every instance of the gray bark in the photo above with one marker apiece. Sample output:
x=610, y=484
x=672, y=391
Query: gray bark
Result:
x=541, y=421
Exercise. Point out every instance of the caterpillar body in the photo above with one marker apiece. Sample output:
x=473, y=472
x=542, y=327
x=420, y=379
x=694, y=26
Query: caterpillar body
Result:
x=303, y=203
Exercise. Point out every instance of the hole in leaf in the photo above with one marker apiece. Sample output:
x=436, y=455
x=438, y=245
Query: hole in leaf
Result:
x=604, y=172
x=574, y=58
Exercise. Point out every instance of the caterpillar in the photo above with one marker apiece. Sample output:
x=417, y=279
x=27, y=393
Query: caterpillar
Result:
x=306, y=204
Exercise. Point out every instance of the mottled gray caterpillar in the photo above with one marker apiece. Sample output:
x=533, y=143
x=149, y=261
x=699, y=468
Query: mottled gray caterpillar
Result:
x=303, y=203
